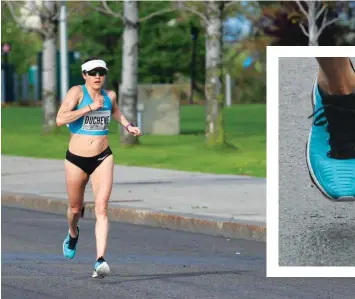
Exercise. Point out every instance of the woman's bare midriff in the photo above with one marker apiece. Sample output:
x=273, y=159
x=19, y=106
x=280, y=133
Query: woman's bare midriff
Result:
x=87, y=145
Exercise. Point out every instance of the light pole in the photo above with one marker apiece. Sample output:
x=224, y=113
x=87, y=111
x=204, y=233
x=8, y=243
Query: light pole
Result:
x=5, y=50
x=64, y=82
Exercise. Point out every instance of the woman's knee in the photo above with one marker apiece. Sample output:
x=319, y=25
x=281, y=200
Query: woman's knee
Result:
x=75, y=209
x=101, y=210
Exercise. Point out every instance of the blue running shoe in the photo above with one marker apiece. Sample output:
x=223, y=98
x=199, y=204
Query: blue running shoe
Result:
x=69, y=245
x=101, y=268
x=330, y=150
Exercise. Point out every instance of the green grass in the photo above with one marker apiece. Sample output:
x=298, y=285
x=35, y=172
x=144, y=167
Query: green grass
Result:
x=245, y=127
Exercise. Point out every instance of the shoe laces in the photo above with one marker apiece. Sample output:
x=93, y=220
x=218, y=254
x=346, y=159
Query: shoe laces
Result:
x=72, y=242
x=340, y=124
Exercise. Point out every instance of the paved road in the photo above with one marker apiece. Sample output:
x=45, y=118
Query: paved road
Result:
x=313, y=230
x=145, y=262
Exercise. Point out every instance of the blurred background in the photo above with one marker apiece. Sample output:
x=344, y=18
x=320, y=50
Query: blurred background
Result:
x=191, y=75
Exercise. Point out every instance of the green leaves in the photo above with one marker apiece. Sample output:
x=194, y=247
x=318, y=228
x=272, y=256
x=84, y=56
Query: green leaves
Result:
x=96, y=34
x=164, y=42
x=24, y=45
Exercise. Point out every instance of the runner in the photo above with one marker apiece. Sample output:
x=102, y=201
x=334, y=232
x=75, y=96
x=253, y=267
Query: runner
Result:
x=330, y=149
x=87, y=111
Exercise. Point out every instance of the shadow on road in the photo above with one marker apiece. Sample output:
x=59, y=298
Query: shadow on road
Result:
x=147, y=277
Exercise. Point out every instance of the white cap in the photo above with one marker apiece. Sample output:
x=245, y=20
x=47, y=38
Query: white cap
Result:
x=93, y=64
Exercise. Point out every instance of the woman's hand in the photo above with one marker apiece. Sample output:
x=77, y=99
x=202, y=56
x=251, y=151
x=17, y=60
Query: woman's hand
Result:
x=134, y=130
x=98, y=103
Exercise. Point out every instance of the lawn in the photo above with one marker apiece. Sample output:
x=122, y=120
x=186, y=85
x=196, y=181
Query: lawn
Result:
x=245, y=127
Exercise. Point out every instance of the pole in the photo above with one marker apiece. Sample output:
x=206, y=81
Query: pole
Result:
x=6, y=59
x=6, y=67
x=64, y=70
x=194, y=35
x=139, y=120
x=140, y=109
x=3, y=86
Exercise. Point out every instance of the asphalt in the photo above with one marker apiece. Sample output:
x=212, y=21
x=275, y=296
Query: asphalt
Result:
x=312, y=230
x=145, y=263
x=226, y=205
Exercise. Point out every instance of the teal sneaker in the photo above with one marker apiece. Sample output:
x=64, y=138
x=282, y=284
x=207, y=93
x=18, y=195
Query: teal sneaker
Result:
x=101, y=268
x=69, y=245
x=330, y=149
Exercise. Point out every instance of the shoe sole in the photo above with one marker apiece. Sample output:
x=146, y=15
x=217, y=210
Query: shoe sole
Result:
x=102, y=271
x=310, y=171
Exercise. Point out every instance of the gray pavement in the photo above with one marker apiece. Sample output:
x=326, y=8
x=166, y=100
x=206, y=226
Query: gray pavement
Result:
x=145, y=263
x=225, y=198
x=313, y=230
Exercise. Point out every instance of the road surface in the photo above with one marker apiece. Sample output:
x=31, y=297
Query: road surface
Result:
x=145, y=262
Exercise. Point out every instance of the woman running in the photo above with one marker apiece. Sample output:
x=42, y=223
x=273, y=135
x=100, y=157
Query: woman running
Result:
x=87, y=111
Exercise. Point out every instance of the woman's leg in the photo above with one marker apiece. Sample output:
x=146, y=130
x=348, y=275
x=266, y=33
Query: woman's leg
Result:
x=336, y=75
x=76, y=180
x=101, y=180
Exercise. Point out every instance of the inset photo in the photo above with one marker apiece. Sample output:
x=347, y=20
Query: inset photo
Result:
x=311, y=162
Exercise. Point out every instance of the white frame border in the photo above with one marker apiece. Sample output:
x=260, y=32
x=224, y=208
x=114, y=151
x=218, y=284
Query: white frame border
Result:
x=272, y=193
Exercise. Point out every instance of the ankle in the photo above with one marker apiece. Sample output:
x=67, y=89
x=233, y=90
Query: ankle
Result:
x=344, y=88
x=340, y=88
x=344, y=84
x=73, y=233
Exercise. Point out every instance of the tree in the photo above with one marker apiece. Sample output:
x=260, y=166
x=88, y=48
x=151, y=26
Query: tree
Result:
x=93, y=33
x=214, y=127
x=211, y=17
x=163, y=40
x=313, y=13
x=128, y=92
x=245, y=58
x=42, y=17
x=281, y=21
x=13, y=34
x=346, y=12
x=250, y=79
x=128, y=95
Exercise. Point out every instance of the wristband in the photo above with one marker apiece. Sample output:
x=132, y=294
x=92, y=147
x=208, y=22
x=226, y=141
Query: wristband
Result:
x=90, y=108
x=130, y=124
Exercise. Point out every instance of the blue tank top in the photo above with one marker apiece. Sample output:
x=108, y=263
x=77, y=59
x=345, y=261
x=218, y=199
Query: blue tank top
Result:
x=94, y=122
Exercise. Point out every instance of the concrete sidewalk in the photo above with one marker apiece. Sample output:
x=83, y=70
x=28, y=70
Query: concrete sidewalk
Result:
x=226, y=205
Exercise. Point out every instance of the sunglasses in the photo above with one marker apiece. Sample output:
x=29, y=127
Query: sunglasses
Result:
x=101, y=72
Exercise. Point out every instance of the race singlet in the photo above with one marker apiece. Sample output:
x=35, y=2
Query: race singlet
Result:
x=96, y=121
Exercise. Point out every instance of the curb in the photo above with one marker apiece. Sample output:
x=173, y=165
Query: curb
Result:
x=191, y=223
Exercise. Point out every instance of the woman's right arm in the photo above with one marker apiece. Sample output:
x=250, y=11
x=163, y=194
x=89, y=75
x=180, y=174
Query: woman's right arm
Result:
x=65, y=114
